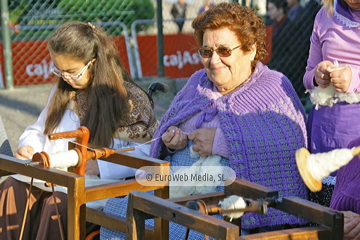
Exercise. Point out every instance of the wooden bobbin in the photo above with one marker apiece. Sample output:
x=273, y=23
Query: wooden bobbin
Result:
x=356, y=151
x=44, y=158
x=301, y=162
x=41, y=157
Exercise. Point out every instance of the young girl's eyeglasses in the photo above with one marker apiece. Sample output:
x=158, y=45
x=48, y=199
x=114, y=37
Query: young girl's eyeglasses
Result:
x=69, y=77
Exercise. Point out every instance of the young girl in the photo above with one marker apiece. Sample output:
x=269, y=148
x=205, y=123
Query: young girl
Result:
x=93, y=90
x=332, y=77
x=334, y=67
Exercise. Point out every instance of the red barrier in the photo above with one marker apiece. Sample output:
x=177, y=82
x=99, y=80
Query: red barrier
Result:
x=181, y=59
x=180, y=55
x=32, y=64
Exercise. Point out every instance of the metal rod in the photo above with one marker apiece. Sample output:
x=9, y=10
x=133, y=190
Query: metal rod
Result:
x=32, y=163
x=7, y=44
x=160, y=39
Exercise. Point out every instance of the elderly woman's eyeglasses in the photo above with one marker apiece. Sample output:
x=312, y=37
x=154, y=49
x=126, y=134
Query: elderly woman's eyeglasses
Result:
x=207, y=52
x=69, y=77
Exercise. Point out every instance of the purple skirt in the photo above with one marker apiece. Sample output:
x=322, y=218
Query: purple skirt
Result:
x=346, y=196
x=331, y=128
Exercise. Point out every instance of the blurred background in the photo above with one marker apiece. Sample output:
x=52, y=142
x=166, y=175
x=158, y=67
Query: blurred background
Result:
x=133, y=23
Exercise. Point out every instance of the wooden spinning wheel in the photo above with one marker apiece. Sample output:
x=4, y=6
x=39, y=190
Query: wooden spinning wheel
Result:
x=77, y=193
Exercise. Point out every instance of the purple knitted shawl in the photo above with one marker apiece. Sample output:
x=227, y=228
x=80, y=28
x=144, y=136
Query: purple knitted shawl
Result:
x=264, y=124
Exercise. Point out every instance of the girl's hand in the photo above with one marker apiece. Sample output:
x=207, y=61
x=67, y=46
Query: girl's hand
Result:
x=174, y=138
x=322, y=75
x=340, y=77
x=24, y=152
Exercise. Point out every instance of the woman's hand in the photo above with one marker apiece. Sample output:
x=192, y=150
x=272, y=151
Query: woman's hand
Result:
x=203, y=139
x=322, y=75
x=340, y=77
x=24, y=152
x=174, y=138
x=351, y=225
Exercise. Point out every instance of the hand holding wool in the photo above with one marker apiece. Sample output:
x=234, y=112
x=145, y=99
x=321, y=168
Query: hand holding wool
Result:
x=340, y=76
x=174, y=138
x=203, y=139
x=322, y=75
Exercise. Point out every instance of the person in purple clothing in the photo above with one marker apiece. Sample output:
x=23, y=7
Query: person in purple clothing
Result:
x=239, y=109
x=332, y=78
x=346, y=196
x=335, y=124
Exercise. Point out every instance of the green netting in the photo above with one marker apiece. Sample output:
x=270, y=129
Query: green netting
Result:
x=27, y=13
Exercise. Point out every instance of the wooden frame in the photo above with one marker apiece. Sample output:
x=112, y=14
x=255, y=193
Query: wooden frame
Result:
x=78, y=194
x=143, y=206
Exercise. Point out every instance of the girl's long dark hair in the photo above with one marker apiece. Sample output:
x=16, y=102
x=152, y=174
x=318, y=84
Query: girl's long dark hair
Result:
x=106, y=94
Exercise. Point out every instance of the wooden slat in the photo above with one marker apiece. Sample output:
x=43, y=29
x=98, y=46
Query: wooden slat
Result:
x=308, y=233
x=112, y=221
x=133, y=160
x=247, y=189
x=110, y=190
x=314, y=213
x=162, y=228
x=76, y=208
x=5, y=173
x=135, y=224
x=56, y=176
x=208, y=198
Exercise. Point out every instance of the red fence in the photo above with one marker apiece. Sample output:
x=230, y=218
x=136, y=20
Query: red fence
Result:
x=180, y=55
x=180, y=58
x=30, y=70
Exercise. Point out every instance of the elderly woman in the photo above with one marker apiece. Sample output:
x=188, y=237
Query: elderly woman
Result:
x=238, y=109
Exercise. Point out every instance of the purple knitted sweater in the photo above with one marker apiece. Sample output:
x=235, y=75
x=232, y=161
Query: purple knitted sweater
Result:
x=264, y=124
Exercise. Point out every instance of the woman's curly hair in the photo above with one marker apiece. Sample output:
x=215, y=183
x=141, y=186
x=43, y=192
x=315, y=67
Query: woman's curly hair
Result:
x=243, y=21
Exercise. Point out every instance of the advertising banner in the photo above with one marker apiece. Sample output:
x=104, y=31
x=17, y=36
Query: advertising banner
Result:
x=32, y=64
